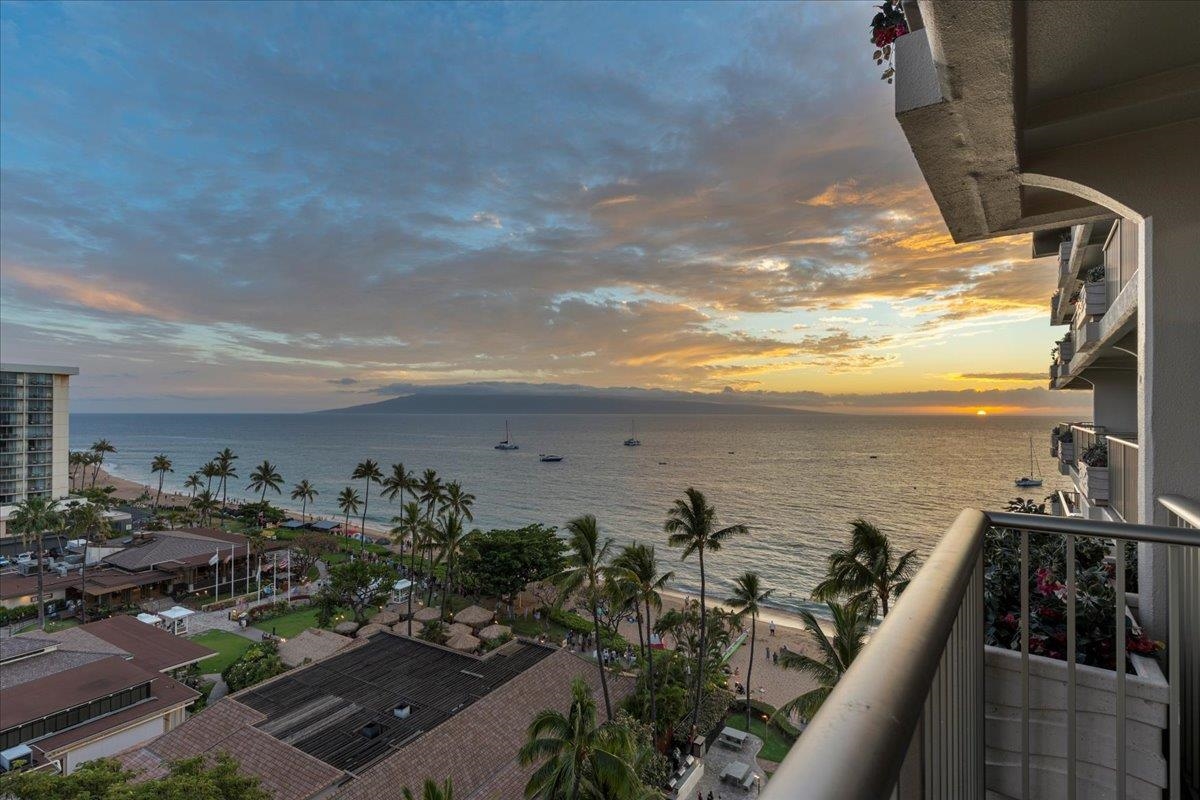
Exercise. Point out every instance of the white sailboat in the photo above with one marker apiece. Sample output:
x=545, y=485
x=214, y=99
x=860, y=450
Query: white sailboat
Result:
x=508, y=443
x=633, y=441
x=1029, y=480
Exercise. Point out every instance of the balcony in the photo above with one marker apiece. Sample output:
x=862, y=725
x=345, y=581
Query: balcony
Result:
x=1123, y=476
x=926, y=710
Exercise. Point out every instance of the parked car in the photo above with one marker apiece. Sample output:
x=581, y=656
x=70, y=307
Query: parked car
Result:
x=4, y=562
x=26, y=556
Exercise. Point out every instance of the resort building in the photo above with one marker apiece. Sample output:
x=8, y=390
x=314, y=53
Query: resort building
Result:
x=34, y=430
x=383, y=714
x=1077, y=124
x=90, y=692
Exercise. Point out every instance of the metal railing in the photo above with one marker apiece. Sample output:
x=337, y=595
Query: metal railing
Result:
x=909, y=718
x=1123, y=486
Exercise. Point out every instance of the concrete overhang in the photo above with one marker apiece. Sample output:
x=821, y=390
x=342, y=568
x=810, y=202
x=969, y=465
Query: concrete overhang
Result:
x=987, y=87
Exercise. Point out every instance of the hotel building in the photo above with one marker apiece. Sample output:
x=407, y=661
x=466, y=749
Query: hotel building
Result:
x=1077, y=124
x=34, y=430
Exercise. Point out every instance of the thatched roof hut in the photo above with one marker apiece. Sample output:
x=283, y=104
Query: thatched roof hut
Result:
x=402, y=628
x=463, y=642
x=456, y=628
x=493, y=632
x=368, y=629
x=386, y=618
x=427, y=614
x=475, y=616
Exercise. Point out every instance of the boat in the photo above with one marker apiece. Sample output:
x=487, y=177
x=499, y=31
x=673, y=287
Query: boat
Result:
x=633, y=441
x=508, y=443
x=1028, y=480
x=549, y=457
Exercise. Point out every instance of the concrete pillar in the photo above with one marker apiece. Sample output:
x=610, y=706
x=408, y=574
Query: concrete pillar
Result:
x=1153, y=177
x=1114, y=399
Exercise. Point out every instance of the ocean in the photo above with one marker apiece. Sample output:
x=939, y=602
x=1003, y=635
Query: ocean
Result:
x=796, y=480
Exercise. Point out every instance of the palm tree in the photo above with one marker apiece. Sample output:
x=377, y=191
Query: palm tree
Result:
x=748, y=598
x=205, y=503
x=209, y=471
x=306, y=493
x=100, y=448
x=31, y=519
x=75, y=459
x=691, y=523
x=850, y=622
x=431, y=492
x=225, y=471
x=451, y=538
x=161, y=465
x=431, y=791
x=194, y=482
x=347, y=501
x=456, y=500
x=867, y=572
x=585, y=566
x=580, y=758
x=412, y=524
x=638, y=565
x=264, y=477
x=88, y=523
x=398, y=483
x=369, y=472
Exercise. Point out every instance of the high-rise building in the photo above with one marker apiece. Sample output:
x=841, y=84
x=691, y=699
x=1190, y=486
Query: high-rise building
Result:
x=34, y=427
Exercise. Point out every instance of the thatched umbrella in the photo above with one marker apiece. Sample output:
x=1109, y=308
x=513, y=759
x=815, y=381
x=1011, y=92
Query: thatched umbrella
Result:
x=475, y=616
x=368, y=629
x=463, y=642
x=457, y=628
x=386, y=618
x=402, y=628
x=492, y=632
x=427, y=615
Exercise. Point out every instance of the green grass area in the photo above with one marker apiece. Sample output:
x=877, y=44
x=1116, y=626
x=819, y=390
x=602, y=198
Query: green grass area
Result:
x=229, y=647
x=775, y=743
x=288, y=625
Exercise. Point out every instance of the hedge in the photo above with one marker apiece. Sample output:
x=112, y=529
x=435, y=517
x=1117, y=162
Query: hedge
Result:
x=8, y=616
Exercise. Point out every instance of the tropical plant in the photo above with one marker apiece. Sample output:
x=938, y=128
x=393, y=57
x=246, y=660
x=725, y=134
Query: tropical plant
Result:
x=347, y=501
x=585, y=566
x=260, y=662
x=457, y=501
x=868, y=571
x=306, y=493
x=501, y=562
x=413, y=525
x=637, y=565
x=691, y=524
x=887, y=26
x=1096, y=454
x=748, y=598
x=836, y=654
x=430, y=790
x=368, y=472
x=225, y=471
x=87, y=522
x=358, y=585
x=160, y=465
x=450, y=536
x=264, y=477
x=205, y=504
x=430, y=489
x=193, y=482
x=209, y=471
x=577, y=756
x=100, y=448
x=105, y=779
x=31, y=519
x=307, y=549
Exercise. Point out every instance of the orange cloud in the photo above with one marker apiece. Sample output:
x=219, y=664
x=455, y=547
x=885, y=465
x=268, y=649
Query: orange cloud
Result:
x=87, y=292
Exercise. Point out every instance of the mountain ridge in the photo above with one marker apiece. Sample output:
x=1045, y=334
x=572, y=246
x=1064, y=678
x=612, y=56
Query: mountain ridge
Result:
x=551, y=403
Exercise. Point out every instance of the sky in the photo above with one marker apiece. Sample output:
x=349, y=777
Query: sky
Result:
x=273, y=207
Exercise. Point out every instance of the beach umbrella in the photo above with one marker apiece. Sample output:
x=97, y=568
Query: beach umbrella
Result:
x=492, y=632
x=427, y=615
x=463, y=642
x=475, y=616
x=458, y=629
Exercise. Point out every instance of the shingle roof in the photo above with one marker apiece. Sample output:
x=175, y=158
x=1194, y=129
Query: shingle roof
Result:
x=153, y=648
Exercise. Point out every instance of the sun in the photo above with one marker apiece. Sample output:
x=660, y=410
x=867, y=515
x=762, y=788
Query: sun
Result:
x=981, y=413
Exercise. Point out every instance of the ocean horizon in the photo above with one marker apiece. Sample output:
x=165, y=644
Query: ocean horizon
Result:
x=797, y=480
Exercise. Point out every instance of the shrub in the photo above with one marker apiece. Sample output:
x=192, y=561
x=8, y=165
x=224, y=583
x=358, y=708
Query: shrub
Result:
x=260, y=662
x=435, y=632
x=1096, y=454
x=10, y=616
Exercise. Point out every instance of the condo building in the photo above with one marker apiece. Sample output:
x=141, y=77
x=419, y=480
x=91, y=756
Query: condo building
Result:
x=34, y=431
x=1076, y=124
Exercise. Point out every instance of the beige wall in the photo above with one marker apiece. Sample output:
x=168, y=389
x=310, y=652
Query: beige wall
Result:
x=62, y=423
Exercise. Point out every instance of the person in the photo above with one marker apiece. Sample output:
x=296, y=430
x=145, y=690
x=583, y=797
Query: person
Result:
x=772, y=627
x=768, y=652
x=776, y=658
x=710, y=794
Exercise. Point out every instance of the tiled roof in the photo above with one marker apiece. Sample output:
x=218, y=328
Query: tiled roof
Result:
x=91, y=675
x=477, y=748
x=152, y=648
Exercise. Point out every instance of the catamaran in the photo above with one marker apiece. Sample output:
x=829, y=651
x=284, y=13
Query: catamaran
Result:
x=1029, y=480
x=508, y=443
x=549, y=457
x=633, y=441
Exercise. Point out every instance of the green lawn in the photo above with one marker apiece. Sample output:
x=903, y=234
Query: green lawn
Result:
x=229, y=647
x=289, y=625
x=775, y=743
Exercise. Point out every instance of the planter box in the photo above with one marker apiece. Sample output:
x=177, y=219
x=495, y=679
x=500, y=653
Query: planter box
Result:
x=1146, y=706
x=1093, y=300
x=1064, y=260
x=1066, y=452
x=1093, y=482
x=1066, y=351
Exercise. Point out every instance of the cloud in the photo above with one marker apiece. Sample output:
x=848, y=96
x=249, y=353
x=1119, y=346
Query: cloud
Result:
x=1000, y=376
x=343, y=381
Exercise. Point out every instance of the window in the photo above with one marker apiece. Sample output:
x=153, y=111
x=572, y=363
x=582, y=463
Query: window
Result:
x=71, y=717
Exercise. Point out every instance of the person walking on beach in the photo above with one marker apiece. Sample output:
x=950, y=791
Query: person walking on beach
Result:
x=767, y=650
x=772, y=627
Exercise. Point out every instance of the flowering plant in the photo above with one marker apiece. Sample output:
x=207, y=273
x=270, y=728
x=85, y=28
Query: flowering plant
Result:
x=887, y=26
x=1096, y=454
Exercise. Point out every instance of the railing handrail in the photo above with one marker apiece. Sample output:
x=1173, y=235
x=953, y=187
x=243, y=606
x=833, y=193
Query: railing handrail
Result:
x=868, y=722
x=1126, y=439
x=1185, y=508
x=1099, y=529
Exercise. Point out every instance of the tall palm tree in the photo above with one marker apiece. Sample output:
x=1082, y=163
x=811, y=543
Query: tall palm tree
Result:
x=411, y=523
x=638, y=565
x=867, y=572
x=691, y=523
x=398, y=483
x=205, y=503
x=31, y=519
x=225, y=471
x=347, y=501
x=264, y=477
x=75, y=459
x=160, y=465
x=100, y=448
x=747, y=600
x=193, y=482
x=368, y=472
x=451, y=538
x=209, y=471
x=306, y=493
x=458, y=501
x=585, y=567
x=579, y=757
x=88, y=523
x=850, y=623
x=430, y=790
x=430, y=495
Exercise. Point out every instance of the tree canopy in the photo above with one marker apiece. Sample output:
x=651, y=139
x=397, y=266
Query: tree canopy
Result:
x=501, y=562
x=106, y=779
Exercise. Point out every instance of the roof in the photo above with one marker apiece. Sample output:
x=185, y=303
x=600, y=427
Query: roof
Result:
x=14, y=584
x=29, y=672
x=153, y=648
x=324, y=525
x=491, y=731
x=313, y=644
x=39, y=368
x=96, y=675
x=293, y=524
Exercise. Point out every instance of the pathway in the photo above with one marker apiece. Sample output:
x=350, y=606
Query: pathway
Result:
x=715, y=761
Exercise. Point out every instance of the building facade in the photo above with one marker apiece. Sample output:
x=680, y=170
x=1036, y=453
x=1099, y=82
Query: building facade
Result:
x=34, y=431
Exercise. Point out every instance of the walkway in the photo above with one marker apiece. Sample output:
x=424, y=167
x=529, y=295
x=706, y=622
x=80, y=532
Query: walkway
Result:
x=718, y=758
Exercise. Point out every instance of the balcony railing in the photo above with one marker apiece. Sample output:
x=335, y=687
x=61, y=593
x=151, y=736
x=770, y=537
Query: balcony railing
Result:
x=910, y=718
x=1123, y=476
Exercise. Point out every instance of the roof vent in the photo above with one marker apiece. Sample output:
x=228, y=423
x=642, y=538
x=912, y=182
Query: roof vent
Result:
x=402, y=711
x=371, y=730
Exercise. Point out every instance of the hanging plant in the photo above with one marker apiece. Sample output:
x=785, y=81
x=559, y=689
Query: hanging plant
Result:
x=887, y=26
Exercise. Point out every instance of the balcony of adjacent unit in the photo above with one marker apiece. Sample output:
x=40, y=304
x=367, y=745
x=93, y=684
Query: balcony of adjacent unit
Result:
x=39, y=446
x=39, y=393
x=37, y=472
x=12, y=459
x=1001, y=673
x=39, y=431
x=39, y=457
